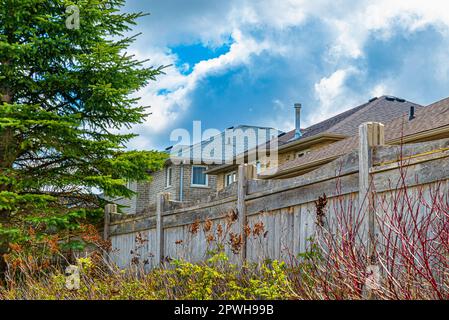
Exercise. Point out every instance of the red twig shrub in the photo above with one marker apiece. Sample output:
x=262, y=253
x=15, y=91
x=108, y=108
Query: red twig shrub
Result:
x=411, y=245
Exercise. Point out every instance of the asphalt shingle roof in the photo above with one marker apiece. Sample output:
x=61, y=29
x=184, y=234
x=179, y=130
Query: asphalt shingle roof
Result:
x=382, y=109
x=427, y=118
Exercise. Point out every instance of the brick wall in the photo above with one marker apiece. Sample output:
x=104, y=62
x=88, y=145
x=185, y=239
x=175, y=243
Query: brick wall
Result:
x=157, y=185
x=194, y=192
x=147, y=192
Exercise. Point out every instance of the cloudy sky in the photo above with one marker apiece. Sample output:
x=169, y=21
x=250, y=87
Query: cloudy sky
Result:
x=248, y=62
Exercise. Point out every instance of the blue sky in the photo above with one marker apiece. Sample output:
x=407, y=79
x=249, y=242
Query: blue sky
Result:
x=248, y=62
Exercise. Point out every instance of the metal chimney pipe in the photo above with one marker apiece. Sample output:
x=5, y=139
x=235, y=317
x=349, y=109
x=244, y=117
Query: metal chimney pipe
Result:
x=412, y=113
x=298, y=121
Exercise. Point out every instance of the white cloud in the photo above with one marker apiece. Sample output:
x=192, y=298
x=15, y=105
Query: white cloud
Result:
x=333, y=94
x=349, y=25
x=331, y=87
x=380, y=90
x=353, y=28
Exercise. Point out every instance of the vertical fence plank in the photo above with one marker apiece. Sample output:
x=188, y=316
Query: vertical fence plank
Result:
x=161, y=197
x=241, y=206
x=296, y=230
x=108, y=211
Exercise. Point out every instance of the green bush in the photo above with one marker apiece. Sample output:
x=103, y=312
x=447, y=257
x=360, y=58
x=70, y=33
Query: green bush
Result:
x=216, y=278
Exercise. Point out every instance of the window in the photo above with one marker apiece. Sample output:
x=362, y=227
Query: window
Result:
x=258, y=167
x=168, y=177
x=199, y=177
x=230, y=178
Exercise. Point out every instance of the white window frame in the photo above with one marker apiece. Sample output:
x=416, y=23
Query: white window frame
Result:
x=168, y=182
x=258, y=167
x=199, y=185
x=234, y=174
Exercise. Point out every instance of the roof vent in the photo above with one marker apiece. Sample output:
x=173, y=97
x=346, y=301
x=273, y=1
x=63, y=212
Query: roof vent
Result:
x=412, y=113
x=372, y=99
x=400, y=100
x=390, y=98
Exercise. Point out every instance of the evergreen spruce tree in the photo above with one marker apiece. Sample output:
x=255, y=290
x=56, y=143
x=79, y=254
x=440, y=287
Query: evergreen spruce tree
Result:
x=66, y=88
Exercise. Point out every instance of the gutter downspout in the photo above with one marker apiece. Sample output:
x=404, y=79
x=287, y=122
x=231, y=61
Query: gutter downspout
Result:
x=181, y=182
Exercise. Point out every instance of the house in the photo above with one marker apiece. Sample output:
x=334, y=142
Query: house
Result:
x=299, y=143
x=418, y=125
x=185, y=176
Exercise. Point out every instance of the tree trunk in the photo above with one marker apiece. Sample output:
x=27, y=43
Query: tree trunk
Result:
x=7, y=150
x=3, y=266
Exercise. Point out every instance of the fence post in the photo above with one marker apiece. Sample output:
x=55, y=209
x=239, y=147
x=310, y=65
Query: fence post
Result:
x=371, y=134
x=242, y=186
x=108, y=211
x=161, y=198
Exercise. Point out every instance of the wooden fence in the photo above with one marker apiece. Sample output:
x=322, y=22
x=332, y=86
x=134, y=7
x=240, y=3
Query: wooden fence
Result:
x=286, y=209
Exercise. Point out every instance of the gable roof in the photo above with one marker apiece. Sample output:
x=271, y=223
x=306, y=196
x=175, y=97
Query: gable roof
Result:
x=346, y=123
x=427, y=119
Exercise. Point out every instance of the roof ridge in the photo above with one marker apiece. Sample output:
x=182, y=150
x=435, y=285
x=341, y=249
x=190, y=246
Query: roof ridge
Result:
x=370, y=104
x=338, y=115
x=438, y=102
